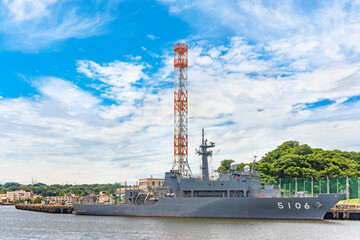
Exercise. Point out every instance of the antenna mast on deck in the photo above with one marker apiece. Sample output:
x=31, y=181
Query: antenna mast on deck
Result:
x=181, y=110
x=205, y=154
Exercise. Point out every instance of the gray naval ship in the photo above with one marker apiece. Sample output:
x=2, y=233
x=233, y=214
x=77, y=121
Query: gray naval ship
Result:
x=234, y=195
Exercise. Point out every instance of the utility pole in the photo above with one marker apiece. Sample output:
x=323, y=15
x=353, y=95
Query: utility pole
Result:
x=304, y=187
x=280, y=186
x=347, y=190
x=290, y=189
x=328, y=187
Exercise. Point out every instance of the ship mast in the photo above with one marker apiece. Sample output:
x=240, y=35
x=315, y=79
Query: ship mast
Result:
x=205, y=153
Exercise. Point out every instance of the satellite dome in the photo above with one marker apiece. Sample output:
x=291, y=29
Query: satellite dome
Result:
x=247, y=168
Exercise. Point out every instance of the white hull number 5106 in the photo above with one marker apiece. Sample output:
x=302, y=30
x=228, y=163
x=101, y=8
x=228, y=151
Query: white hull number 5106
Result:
x=288, y=205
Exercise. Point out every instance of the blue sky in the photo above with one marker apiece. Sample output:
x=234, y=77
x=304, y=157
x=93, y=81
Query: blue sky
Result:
x=89, y=84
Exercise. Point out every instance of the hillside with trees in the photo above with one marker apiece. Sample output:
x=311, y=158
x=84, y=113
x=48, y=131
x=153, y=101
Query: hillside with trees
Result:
x=294, y=160
x=59, y=190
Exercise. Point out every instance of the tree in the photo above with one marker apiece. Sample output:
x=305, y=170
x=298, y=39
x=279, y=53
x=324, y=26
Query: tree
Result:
x=225, y=166
x=38, y=200
x=294, y=160
x=57, y=189
x=290, y=160
x=240, y=166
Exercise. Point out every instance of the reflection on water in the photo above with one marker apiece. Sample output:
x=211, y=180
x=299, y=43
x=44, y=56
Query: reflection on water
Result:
x=18, y=224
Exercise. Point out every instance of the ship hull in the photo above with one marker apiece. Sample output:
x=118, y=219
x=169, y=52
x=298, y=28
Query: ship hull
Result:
x=310, y=208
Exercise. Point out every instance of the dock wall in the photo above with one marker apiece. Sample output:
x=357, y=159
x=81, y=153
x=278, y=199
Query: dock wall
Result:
x=49, y=208
x=344, y=212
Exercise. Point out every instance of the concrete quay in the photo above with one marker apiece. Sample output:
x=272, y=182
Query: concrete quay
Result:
x=344, y=212
x=49, y=208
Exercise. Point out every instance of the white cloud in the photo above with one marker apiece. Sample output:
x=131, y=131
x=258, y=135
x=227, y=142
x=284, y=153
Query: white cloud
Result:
x=24, y=10
x=250, y=96
x=118, y=78
x=292, y=27
x=128, y=140
x=29, y=25
x=67, y=126
x=222, y=92
x=242, y=17
x=119, y=74
x=65, y=93
x=152, y=37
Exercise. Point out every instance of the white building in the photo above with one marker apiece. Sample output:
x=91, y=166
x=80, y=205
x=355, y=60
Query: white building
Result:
x=68, y=198
x=18, y=195
x=4, y=199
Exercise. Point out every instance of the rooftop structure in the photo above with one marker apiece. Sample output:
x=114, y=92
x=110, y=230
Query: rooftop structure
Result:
x=149, y=184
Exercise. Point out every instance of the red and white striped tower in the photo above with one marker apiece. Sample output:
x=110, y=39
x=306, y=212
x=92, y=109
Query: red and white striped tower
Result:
x=181, y=110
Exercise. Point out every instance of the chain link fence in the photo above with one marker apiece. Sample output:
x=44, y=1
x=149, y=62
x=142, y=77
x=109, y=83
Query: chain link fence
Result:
x=312, y=186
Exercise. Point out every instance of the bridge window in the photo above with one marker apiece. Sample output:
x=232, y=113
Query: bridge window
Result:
x=236, y=193
x=210, y=193
x=186, y=193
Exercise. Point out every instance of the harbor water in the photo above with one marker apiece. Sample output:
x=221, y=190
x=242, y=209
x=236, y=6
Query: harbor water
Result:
x=20, y=224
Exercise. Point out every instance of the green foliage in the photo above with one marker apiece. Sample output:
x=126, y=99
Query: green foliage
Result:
x=240, y=166
x=2, y=189
x=37, y=200
x=59, y=190
x=8, y=187
x=225, y=166
x=113, y=188
x=292, y=160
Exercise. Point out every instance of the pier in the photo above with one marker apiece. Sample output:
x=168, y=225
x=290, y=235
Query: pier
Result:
x=49, y=208
x=344, y=212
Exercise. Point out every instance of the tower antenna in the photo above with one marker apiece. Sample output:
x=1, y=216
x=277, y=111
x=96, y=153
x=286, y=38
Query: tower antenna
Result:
x=181, y=110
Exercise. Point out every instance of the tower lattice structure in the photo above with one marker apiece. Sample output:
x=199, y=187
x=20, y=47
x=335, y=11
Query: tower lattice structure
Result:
x=181, y=110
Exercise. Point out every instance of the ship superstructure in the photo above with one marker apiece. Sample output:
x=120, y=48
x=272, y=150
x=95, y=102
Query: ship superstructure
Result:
x=238, y=194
